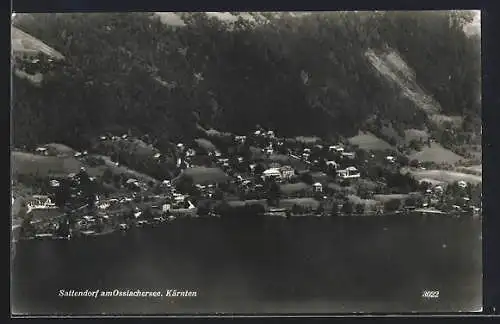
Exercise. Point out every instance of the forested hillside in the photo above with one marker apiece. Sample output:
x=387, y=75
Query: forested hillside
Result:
x=305, y=75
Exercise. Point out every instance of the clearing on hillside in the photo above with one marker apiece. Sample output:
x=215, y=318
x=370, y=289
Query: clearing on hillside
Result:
x=368, y=141
x=445, y=176
x=415, y=135
x=437, y=154
x=31, y=164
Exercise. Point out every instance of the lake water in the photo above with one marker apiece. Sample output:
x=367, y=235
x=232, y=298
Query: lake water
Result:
x=308, y=265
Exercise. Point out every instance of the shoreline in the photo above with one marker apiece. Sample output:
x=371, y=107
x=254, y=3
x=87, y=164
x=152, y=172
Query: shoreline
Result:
x=413, y=215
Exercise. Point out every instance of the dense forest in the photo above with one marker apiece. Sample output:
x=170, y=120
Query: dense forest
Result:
x=304, y=75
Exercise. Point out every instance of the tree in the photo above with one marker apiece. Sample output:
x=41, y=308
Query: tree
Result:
x=335, y=210
x=274, y=193
x=147, y=213
x=360, y=208
x=410, y=202
x=259, y=169
x=347, y=208
x=203, y=209
x=27, y=228
x=321, y=209
x=296, y=209
x=107, y=176
x=392, y=205
x=62, y=195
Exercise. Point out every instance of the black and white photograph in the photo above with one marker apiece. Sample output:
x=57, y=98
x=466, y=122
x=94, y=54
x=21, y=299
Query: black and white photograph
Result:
x=246, y=163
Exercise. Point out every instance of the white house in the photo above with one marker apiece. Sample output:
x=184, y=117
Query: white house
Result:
x=390, y=159
x=348, y=155
x=40, y=202
x=41, y=150
x=317, y=187
x=336, y=148
x=240, y=139
x=272, y=173
x=331, y=164
x=462, y=184
x=438, y=189
x=349, y=173
x=190, y=152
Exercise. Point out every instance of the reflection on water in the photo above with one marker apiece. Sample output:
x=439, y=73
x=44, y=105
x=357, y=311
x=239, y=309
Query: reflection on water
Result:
x=300, y=265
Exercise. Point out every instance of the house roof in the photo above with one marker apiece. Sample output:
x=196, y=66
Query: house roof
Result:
x=272, y=171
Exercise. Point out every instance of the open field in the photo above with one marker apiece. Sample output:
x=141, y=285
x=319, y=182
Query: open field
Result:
x=44, y=166
x=291, y=188
x=52, y=166
x=474, y=169
x=386, y=198
x=242, y=203
x=359, y=201
x=437, y=154
x=440, y=119
x=338, y=188
x=444, y=176
x=203, y=175
x=120, y=169
x=60, y=148
x=302, y=202
x=368, y=141
x=307, y=139
x=281, y=158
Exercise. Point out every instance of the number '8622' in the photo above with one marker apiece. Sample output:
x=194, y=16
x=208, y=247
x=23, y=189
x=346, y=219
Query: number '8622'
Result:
x=430, y=294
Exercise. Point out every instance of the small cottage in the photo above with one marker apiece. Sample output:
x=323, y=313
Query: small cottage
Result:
x=317, y=187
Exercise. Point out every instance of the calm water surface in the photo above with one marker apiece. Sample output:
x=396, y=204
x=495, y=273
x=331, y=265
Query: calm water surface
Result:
x=312, y=265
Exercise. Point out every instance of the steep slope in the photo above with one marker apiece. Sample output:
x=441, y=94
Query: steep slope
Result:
x=302, y=74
